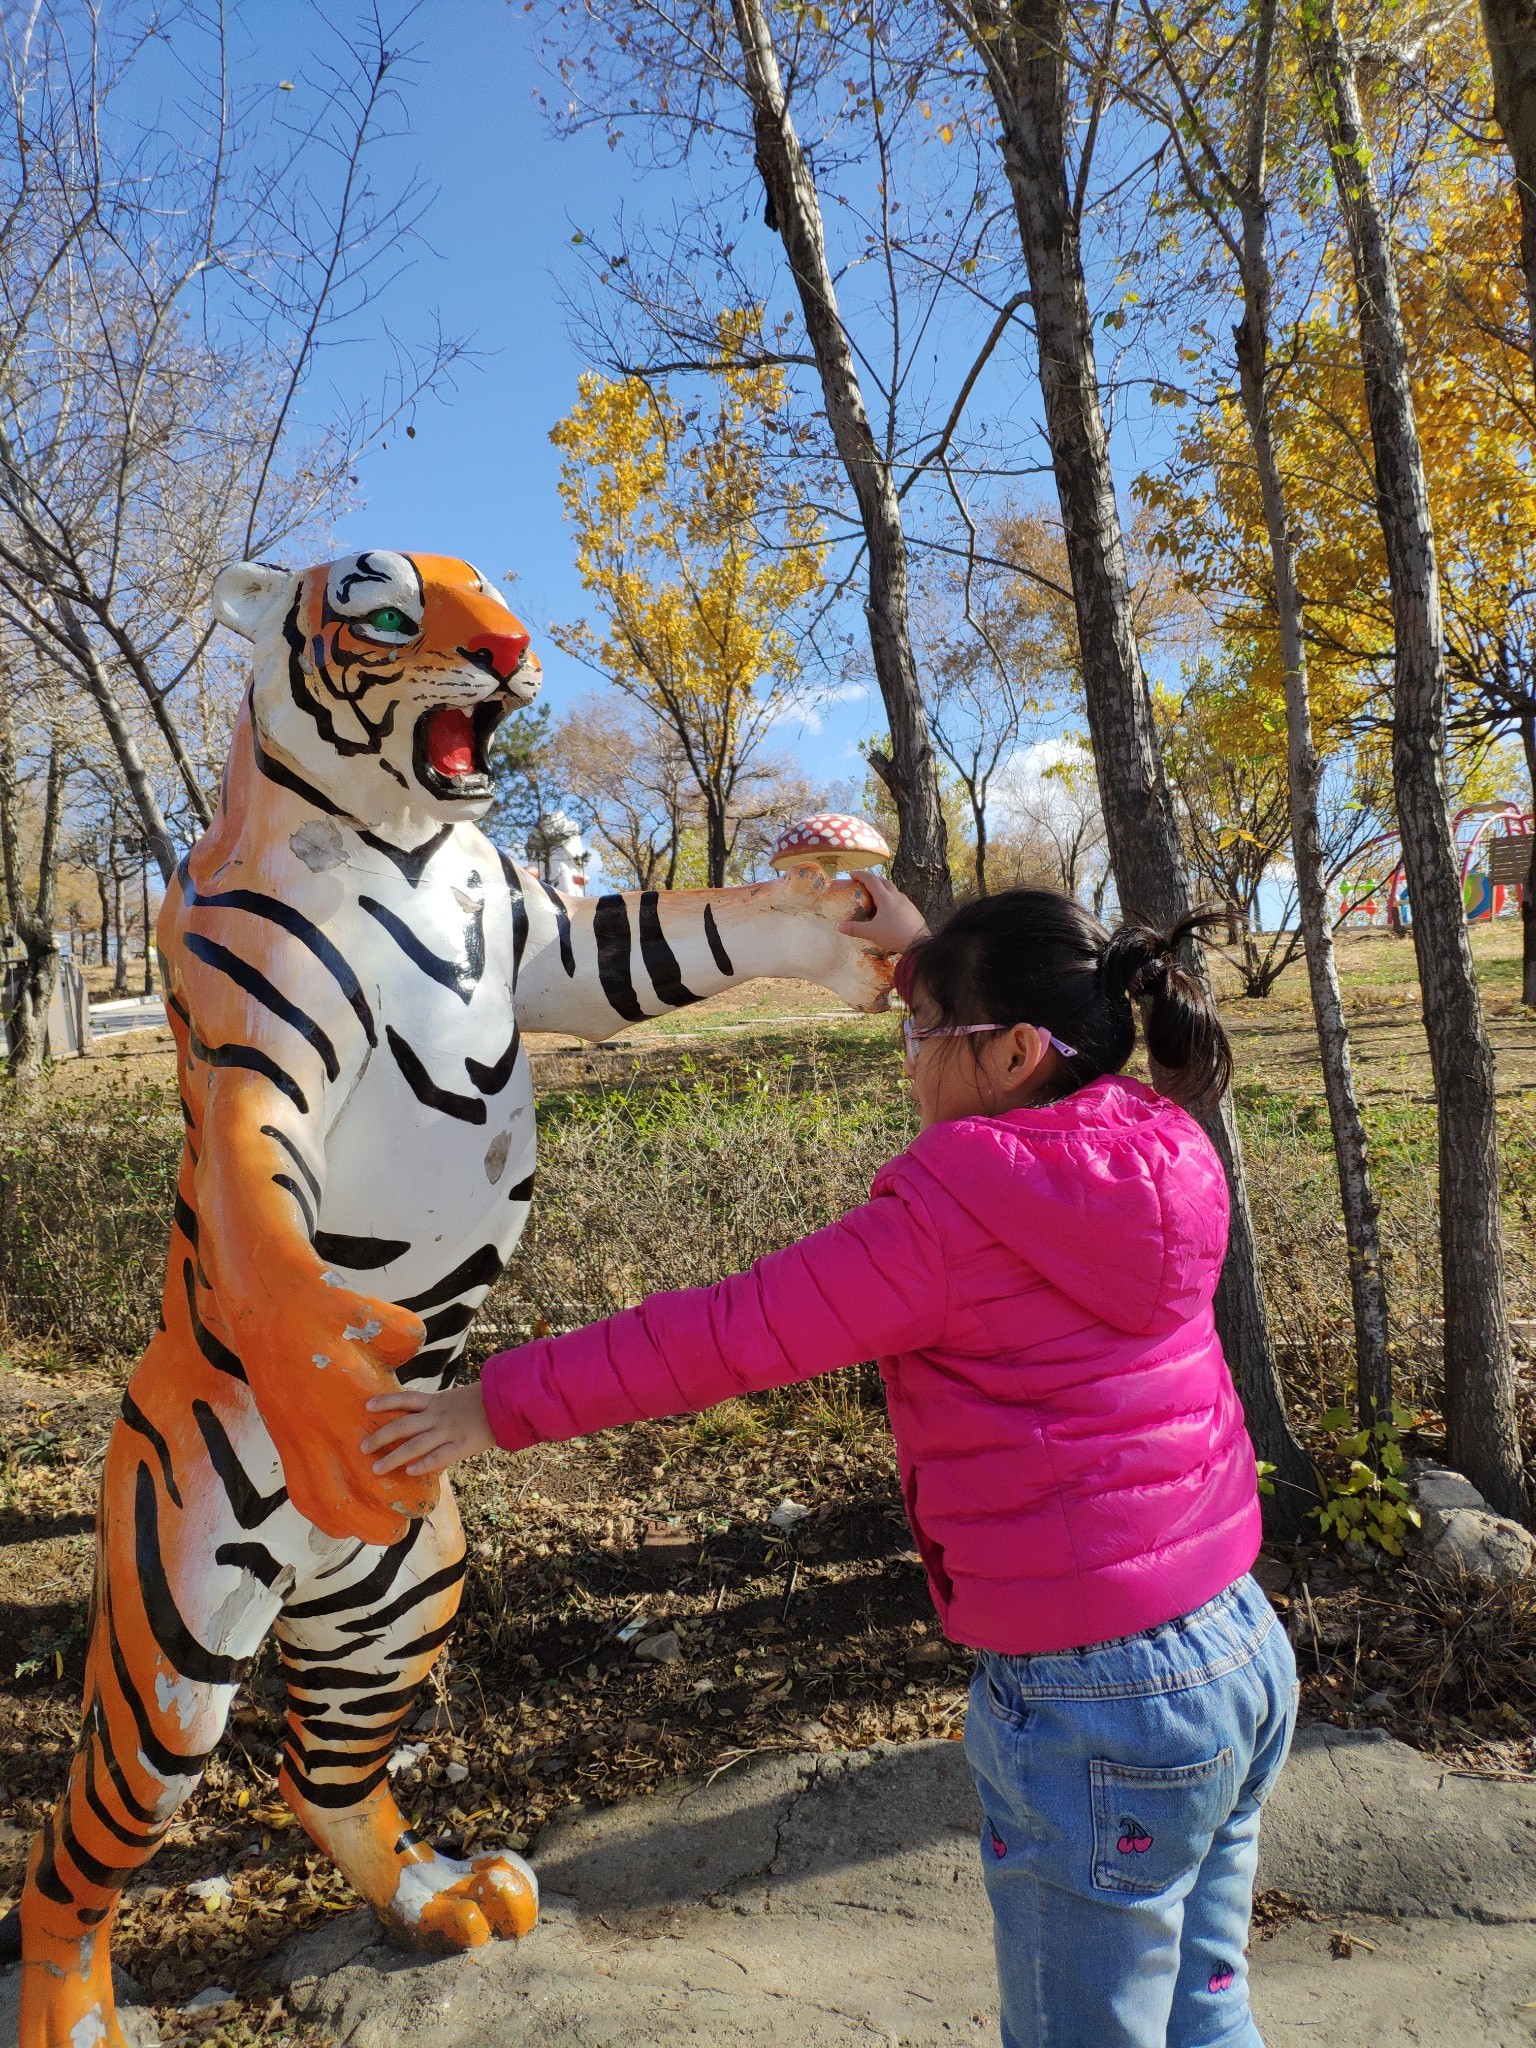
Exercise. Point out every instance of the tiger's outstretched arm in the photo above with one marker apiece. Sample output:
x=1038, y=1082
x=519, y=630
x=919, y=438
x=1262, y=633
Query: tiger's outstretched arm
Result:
x=271, y=1034
x=593, y=964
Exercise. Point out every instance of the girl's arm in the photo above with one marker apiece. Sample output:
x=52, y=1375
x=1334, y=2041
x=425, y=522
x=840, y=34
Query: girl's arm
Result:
x=871, y=1284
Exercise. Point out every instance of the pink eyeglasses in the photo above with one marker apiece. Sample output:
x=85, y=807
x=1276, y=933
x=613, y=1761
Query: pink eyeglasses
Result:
x=912, y=1038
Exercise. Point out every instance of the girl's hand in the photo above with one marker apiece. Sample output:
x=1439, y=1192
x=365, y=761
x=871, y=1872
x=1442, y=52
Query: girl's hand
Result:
x=430, y=1431
x=897, y=920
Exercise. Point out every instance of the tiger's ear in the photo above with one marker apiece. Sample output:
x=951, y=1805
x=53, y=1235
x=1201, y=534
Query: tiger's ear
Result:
x=245, y=594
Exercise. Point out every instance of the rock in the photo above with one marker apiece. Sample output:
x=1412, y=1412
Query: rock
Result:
x=1475, y=1544
x=1436, y=1487
x=662, y=1649
x=789, y=1514
x=212, y=1891
x=210, y=1995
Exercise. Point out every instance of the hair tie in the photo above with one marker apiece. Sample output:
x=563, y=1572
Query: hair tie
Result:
x=1152, y=971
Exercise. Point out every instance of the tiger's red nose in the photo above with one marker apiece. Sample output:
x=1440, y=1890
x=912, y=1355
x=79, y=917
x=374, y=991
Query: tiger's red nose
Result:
x=499, y=652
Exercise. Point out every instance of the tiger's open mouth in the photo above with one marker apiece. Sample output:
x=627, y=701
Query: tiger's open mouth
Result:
x=450, y=752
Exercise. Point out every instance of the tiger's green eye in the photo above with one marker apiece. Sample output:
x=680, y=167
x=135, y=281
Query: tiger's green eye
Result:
x=390, y=620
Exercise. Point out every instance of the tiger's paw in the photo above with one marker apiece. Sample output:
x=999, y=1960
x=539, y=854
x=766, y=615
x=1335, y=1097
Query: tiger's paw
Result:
x=451, y=1904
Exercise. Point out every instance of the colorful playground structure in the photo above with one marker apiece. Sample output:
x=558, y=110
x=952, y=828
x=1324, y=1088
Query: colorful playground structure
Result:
x=1493, y=844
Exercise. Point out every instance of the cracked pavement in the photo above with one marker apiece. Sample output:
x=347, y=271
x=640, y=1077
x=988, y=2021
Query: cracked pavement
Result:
x=835, y=1900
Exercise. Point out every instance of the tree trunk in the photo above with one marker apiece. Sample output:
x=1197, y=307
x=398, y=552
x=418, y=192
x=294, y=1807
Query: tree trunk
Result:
x=716, y=840
x=1528, y=892
x=1367, y=1279
x=1022, y=44
x=106, y=918
x=120, y=976
x=98, y=684
x=1510, y=26
x=1482, y=1437
x=27, y=1021
x=921, y=865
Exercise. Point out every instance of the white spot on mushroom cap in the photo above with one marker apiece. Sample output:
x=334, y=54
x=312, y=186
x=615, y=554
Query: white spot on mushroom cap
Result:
x=831, y=832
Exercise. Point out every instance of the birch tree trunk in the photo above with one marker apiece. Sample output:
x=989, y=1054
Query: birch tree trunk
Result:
x=1482, y=1438
x=98, y=685
x=1367, y=1280
x=1022, y=44
x=921, y=865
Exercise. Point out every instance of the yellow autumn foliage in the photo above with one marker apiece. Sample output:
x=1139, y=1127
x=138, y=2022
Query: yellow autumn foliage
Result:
x=699, y=547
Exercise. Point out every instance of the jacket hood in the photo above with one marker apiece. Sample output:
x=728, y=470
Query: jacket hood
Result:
x=1114, y=1195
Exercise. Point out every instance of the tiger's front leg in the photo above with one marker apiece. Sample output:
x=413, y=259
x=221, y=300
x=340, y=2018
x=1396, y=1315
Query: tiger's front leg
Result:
x=356, y=1648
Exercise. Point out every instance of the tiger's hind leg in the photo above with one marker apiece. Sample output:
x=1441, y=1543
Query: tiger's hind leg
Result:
x=172, y=1630
x=356, y=1646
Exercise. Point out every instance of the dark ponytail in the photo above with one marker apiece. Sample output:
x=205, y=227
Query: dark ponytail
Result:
x=1035, y=956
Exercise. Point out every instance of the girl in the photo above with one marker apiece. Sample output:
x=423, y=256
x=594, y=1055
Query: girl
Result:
x=1035, y=1273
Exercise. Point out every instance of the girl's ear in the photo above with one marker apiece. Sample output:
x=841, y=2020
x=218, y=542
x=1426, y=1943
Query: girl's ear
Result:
x=1026, y=1049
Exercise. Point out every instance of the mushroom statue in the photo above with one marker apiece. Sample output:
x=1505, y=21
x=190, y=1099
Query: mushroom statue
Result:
x=836, y=844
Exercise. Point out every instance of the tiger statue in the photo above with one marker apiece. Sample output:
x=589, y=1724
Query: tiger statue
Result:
x=349, y=966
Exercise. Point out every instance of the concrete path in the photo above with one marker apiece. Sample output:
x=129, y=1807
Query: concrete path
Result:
x=835, y=1901
x=823, y=1901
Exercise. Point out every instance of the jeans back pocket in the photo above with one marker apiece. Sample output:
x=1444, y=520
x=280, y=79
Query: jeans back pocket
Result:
x=1152, y=1824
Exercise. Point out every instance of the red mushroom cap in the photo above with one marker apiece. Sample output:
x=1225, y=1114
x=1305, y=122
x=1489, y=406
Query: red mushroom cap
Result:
x=830, y=840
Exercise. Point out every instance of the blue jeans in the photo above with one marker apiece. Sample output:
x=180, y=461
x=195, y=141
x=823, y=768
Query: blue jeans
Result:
x=1121, y=1788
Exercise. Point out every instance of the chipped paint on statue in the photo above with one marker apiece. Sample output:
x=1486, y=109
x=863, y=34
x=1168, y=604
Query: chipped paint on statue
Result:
x=349, y=966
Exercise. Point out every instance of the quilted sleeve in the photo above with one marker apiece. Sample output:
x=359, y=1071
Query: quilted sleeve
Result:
x=871, y=1284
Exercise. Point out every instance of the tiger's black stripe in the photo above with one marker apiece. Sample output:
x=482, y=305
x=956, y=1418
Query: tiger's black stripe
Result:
x=384, y=1703
x=106, y=1877
x=412, y=863
x=461, y=977
x=478, y=1270
x=136, y=1419
x=352, y=1792
x=523, y=1192
x=721, y=958
x=254, y=1558
x=282, y=1138
x=610, y=929
x=448, y=1322
x=218, y=1355
x=130, y=1837
x=275, y=771
x=438, y=1582
x=287, y=1181
x=132, y=1805
x=470, y=1109
x=337, y=1678
x=425, y=1364
x=46, y=1877
x=298, y=926
x=255, y=1062
x=189, y=1657
x=165, y=1763
x=490, y=1080
x=256, y=984
x=562, y=926
x=660, y=960
x=369, y=1587
x=519, y=912
x=432, y=1640
x=186, y=1217
x=362, y=1254
x=249, y=1505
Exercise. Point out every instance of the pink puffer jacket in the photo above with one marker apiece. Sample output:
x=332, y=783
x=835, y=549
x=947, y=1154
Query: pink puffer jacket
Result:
x=1037, y=1288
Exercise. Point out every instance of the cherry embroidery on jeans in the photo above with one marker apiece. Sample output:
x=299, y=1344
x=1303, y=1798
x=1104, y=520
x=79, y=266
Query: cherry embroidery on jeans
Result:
x=999, y=1846
x=1134, y=1839
x=1222, y=1976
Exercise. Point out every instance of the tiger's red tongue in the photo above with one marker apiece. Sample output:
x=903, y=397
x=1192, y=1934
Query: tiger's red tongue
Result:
x=451, y=743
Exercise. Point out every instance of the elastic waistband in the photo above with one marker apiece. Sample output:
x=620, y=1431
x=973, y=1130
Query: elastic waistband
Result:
x=1220, y=1636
